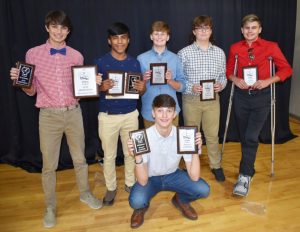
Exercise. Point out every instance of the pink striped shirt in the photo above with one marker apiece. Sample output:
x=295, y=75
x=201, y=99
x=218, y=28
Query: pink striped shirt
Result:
x=52, y=81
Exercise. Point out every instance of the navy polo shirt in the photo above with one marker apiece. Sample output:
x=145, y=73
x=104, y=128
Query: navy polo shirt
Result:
x=109, y=63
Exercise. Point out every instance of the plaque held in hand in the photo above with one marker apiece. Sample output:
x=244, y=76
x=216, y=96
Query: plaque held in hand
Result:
x=208, y=93
x=130, y=82
x=84, y=81
x=250, y=75
x=158, y=74
x=24, y=79
x=118, y=78
x=186, y=140
x=140, y=141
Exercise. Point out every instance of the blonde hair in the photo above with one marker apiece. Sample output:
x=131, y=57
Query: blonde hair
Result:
x=250, y=18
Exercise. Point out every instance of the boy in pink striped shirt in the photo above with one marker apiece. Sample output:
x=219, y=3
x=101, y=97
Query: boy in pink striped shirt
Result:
x=52, y=82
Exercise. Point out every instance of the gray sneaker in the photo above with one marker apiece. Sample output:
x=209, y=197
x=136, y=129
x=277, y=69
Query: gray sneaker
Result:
x=109, y=197
x=90, y=200
x=242, y=186
x=49, y=217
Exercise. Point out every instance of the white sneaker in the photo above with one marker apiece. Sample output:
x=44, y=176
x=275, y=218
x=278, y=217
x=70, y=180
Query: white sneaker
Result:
x=49, y=217
x=242, y=186
x=90, y=200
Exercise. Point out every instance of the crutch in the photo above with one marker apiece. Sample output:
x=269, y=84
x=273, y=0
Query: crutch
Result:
x=273, y=113
x=229, y=105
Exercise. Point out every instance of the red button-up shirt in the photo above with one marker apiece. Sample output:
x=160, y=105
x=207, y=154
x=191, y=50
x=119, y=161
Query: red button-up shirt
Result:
x=262, y=50
x=52, y=79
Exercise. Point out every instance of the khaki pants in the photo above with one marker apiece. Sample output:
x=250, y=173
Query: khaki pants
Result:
x=53, y=123
x=148, y=124
x=110, y=127
x=207, y=114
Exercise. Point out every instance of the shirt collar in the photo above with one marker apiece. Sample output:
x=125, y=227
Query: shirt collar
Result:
x=195, y=45
x=162, y=54
x=160, y=136
x=259, y=41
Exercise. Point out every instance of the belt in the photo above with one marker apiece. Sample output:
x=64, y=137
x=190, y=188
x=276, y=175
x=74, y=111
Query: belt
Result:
x=117, y=113
x=253, y=91
x=112, y=113
x=61, y=109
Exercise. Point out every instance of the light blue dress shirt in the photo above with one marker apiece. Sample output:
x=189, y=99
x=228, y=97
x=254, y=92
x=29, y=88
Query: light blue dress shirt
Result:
x=173, y=64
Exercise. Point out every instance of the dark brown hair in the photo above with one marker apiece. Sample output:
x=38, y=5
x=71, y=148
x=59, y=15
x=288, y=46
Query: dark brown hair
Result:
x=202, y=20
x=163, y=100
x=58, y=17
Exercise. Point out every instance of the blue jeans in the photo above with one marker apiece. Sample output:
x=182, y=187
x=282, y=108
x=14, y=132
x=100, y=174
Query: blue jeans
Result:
x=178, y=181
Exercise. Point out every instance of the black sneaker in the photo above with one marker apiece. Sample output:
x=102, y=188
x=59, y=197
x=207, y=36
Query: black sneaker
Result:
x=219, y=175
x=100, y=161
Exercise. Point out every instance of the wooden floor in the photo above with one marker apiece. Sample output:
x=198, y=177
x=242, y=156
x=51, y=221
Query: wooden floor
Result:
x=273, y=204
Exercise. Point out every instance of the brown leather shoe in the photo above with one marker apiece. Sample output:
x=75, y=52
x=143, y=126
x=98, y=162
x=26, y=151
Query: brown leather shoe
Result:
x=137, y=217
x=186, y=210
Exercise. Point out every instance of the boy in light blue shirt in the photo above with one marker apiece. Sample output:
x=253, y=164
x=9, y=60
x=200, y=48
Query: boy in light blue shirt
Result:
x=160, y=35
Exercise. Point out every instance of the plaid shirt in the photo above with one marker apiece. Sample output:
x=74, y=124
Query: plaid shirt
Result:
x=52, y=79
x=201, y=64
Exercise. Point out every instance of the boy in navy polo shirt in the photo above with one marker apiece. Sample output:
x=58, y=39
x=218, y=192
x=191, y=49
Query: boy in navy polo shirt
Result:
x=117, y=116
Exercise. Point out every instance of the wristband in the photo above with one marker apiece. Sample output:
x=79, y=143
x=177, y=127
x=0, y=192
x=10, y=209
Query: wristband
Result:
x=139, y=162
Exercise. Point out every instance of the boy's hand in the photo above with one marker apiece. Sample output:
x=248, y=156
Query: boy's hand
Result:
x=106, y=85
x=217, y=87
x=99, y=79
x=169, y=75
x=14, y=73
x=199, y=142
x=197, y=88
x=140, y=86
x=147, y=75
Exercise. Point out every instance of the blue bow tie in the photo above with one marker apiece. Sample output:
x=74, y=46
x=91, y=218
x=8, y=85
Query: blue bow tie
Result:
x=61, y=51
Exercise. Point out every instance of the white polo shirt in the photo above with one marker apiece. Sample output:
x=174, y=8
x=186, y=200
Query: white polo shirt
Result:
x=163, y=158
